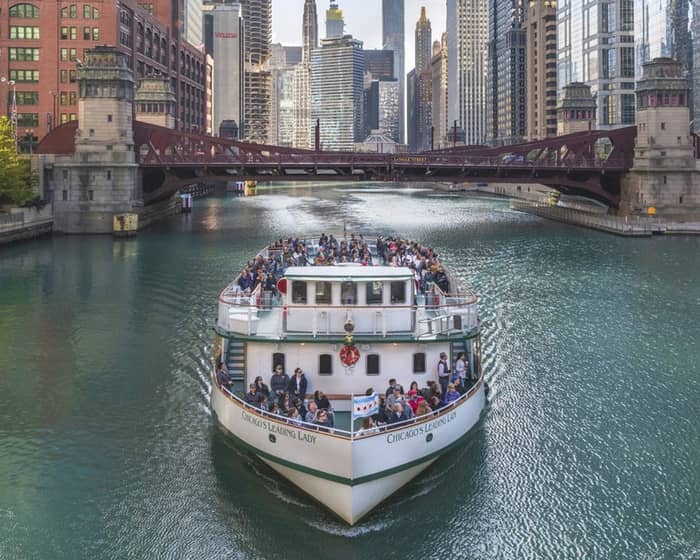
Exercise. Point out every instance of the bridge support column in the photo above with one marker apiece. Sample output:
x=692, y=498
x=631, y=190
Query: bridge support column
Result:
x=665, y=174
x=102, y=178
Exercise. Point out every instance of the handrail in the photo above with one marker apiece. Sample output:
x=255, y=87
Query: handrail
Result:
x=352, y=435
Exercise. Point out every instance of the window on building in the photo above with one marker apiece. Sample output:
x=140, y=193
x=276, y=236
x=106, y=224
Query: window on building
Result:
x=24, y=11
x=627, y=15
x=95, y=33
x=628, y=108
x=86, y=33
x=374, y=293
x=27, y=97
x=73, y=117
x=95, y=13
x=419, y=362
x=398, y=292
x=278, y=360
x=109, y=174
x=64, y=194
x=27, y=119
x=627, y=62
x=299, y=292
x=323, y=292
x=64, y=76
x=24, y=32
x=87, y=11
x=109, y=118
x=91, y=195
x=372, y=364
x=325, y=364
x=24, y=54
x=348, y=293
x=72, y=76
x=24, y=76
x=64, y=118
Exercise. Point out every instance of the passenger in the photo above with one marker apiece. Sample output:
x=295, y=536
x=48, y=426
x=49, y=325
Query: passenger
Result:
x=263, y=403
x=299, y=405
x=222, y=377
x=251, y=396
x=285, y=404
x=461, y=368
x=323, y=403
x=452, y=394
x=297, y=385
x=422, y=409
x=414, y=399
x=461, y=389
x=323, y=421
x=368, y=426
x=294, y=415
x=312, y=412
x=413, y=387
x=279, y=381
x=396, y=414
x=435, y=403
x=261, y=387
x=443, y=371
x=426, y=391
x=382, y=416
x=275, y=409
x=390, y=389
x=407, y=412
x=395, y=397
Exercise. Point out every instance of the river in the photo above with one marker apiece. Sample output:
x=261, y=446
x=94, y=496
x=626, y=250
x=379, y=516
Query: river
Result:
x=589, y=446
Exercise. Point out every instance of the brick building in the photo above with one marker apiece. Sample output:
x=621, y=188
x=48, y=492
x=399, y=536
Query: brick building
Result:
x=42, y=43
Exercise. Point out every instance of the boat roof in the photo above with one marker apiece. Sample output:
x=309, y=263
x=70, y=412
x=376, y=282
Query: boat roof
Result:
x=348, y=272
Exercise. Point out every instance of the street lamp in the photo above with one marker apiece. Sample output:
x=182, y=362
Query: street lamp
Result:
x=13, y=111
x=29, y=133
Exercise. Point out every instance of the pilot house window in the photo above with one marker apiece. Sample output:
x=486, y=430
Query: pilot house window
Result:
x=398, y=292
x=323, y=293
x=372, y=364
x=325, y=364
x=374, y=293
x=299, y=292
x=348, y=293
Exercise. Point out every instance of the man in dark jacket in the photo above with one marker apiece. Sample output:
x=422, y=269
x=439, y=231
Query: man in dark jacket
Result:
x=297, y=385
x=279, y=381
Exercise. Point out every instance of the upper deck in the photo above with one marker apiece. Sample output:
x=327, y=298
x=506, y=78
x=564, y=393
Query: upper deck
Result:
x=315, y=302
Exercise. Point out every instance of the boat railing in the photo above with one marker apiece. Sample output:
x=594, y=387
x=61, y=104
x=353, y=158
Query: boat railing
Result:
x=352, y=434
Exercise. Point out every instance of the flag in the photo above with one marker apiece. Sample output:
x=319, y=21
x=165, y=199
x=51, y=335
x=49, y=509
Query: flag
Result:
x=365, y=405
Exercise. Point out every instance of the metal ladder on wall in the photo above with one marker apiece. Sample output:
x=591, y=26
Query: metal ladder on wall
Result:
x=235, y=362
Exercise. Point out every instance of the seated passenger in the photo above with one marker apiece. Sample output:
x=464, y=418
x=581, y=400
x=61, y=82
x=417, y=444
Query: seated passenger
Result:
x=222, y=376
x=435, y=403
x=382, y=415
x=396, y=414
x=294, y=415
x=452, y=394
x=390, y=389
x=251, y=397
x=279, y=381
x=311, y=414
x=395, y=397
x=297, y=384
x=414, y=399
x=422, y=409
x=299, y=405
x=285, y=404
x=263, y=403
x=368, y=426
x=261, y=387
x=323, y=421
x=322, y=401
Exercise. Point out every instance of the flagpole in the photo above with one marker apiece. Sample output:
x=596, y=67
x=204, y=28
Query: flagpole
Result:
x=352, y=416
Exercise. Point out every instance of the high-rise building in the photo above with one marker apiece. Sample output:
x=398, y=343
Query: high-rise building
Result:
x=596, y=46
x=467, y=37
x=393, y=40
x=337, y=88
x=257, y=18
x=382, y=107
x=379, y=63
x=282, y=126
x=541, y=39
x=506, y=97
x=223, y=40
x=424, y=41
x=661, y=29
x=183, y=15
x=303, y=125
x=46, y=80
x=335, y=24
x=695, y=78
x=438, y=67
x=424, y=86
x=412, y=92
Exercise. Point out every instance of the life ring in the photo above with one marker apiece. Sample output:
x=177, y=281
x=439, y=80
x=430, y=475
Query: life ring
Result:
x=349, y=355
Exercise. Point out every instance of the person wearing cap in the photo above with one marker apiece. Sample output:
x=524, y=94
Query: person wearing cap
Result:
x=279, y=381
x=396, y=396
x=414, y=399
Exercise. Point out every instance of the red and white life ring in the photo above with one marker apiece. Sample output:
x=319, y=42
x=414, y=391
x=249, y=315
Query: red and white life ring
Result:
x=349, y=355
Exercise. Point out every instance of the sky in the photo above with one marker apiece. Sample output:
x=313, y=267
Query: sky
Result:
x=363, y=20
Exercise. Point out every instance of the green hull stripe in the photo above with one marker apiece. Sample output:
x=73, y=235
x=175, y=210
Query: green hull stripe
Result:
x=341, y=479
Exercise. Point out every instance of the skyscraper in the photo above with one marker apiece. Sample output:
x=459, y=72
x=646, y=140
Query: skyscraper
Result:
x=223, y=40
x=393, y=40
x=337, y=92
x=257, y=17
x=302, y=78
x=335, y=25
x=596, y=46
x=423, y=91
x=505, y=98
x=439, y=96
x=467, y=36
x=541, y=41
x=424, y=41
x=661, y=29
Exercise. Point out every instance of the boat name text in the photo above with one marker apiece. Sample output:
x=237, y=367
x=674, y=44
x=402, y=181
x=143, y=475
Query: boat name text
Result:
x=274, y=428
x=422, y=429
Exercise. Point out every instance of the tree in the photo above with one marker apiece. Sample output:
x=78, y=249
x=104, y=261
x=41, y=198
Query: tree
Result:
x=16, y=178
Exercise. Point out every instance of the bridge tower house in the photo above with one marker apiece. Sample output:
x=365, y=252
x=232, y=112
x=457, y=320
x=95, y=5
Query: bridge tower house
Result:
x=664, y=174
x=576, y=109
x=102, y=178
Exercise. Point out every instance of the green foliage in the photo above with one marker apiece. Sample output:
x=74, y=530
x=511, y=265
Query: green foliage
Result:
x=17, y=181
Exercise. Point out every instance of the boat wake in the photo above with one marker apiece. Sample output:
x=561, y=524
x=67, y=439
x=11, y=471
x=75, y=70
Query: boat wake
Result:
x=337, y=529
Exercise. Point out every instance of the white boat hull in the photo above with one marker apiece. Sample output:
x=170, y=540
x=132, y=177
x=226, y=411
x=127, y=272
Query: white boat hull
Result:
x=350, y=476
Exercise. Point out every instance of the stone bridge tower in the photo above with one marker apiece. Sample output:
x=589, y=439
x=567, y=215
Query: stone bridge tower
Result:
x=665, y=174
x=102, y=178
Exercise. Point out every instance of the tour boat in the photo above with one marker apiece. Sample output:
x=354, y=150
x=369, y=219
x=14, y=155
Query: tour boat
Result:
x=350, y=327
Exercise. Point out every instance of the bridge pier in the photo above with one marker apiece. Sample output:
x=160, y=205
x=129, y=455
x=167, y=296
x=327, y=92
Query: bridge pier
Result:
x=102, y=178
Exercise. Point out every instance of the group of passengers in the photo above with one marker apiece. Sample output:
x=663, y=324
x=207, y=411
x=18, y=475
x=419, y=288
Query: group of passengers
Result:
x=422, y=260
x=353, y=250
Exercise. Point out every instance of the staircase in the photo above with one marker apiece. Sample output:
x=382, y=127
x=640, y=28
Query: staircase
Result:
x=235, y=362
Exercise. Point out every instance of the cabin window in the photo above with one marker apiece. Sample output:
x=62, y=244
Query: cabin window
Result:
x=278, y=360
x=323, y=293
x=372, y=364
x=348, y=293
x=419, y=362
x=398, y=292
x=299, y=292
x=325, y=364
x=374, y=293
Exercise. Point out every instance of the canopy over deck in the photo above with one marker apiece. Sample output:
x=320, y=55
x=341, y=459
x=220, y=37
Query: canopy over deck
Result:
x=348, y=272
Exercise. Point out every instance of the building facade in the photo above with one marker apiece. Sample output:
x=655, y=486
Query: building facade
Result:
x=380, y=64
x=438, y=68
x=596, y=46
x=662, y=29
x=43, y=42
x=337, y=92
x=541, y=40
x=467, y=37
x=335, y=24
x=303, y=125
x=423, y=97
x=506, y=98
x=393, y=39
x=223, y=40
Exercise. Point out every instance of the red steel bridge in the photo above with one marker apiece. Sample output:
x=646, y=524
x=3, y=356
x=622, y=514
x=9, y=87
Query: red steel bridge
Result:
x=588, y=163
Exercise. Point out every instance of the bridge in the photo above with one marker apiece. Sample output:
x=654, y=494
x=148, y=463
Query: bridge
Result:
x=590, y=163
